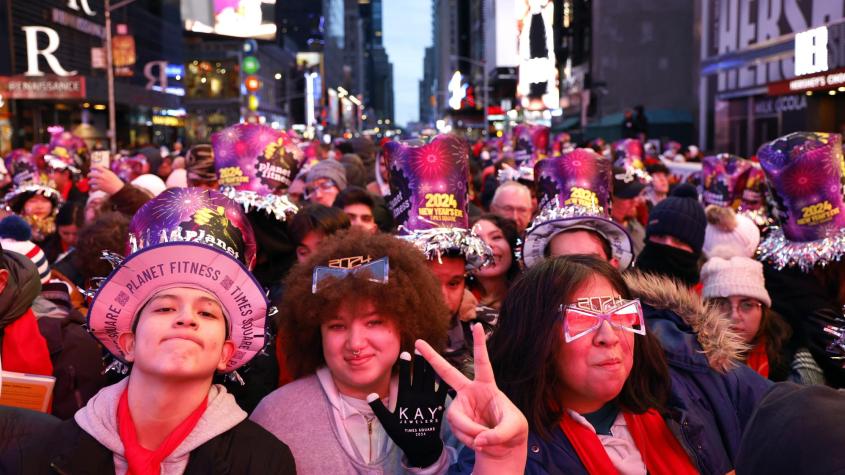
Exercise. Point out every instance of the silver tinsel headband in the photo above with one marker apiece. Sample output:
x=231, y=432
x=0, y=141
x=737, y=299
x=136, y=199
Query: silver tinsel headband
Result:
x=781, y=252
x=279, y=206
x=436, y=242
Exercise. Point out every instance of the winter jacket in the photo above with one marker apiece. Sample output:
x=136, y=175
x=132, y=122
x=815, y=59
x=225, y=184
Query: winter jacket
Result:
x=222, y=442
x=23, y=348
x=711, y=397
x=77, y=362
x=18, y=428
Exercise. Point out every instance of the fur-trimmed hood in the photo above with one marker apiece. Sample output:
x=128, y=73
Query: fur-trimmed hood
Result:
x=718, y=343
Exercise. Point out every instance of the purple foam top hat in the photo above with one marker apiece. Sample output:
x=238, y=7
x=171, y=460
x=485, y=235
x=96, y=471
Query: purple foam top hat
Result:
x=723, y=179
x=573, y=192
x=429, y=197
x=185, y=237
x=195, y=215
x=255, y=166
x=130, y=167
x=628, y=153
x=531, y=140
x=805, y=176
x=752, y=203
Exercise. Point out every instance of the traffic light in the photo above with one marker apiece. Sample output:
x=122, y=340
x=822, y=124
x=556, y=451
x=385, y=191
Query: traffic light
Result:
x=252, y=83
x=249, y=68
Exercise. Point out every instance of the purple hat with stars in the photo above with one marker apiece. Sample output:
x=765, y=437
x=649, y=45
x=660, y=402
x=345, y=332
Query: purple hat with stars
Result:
x=185, y=237
x=255, y=166
x=429, y=197
x=573, y=192
x=723, y=178
x=805, y=176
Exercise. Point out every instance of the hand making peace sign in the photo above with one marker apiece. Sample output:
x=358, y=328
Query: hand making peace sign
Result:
x=481, y=416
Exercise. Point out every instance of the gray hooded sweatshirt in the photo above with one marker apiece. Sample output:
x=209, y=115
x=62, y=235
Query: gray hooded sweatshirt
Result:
x=99, y=419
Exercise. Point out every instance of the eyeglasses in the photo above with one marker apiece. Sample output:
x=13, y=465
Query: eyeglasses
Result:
x=377, y=271
x=581, y=319
x=323, y=186
x=744, y=307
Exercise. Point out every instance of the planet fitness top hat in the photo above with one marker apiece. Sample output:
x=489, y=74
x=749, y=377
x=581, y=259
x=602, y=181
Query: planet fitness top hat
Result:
x=573, y=192
x=723, y=178
x=429, y=198
x=186, y=237
x=805, y=173
x=255, y=166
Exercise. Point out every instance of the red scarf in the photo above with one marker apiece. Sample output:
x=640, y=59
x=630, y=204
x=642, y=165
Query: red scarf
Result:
x=757, y=358
x=660, y=450
x=143, y=461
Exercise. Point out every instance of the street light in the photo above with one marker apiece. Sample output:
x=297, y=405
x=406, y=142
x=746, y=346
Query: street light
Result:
x=483, y=64
x=108, y=8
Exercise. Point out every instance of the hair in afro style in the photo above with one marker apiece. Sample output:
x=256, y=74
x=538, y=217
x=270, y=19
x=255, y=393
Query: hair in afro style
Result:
x=411, y=297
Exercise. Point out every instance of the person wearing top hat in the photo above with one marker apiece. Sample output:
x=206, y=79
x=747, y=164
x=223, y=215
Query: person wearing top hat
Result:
x=36, y=202
x=429, y=200
x=802, y=253
x=181, y=307
x=574, y=193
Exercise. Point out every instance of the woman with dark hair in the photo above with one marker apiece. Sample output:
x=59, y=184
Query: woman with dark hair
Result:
x=490, y=284
x=575, y=354
x=735, y=286
x=69, y=221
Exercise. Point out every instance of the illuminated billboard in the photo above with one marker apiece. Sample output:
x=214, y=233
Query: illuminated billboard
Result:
x=237, y=18
x=537, y=88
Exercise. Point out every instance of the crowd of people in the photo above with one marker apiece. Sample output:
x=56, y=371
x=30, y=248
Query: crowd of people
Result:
x=267, y=303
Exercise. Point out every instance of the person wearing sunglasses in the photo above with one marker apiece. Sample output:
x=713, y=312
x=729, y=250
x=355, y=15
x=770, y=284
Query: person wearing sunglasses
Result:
x=576, y=354
x=736, y=288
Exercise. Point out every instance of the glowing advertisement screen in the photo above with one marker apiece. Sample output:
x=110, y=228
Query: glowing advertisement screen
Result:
x=237, y=18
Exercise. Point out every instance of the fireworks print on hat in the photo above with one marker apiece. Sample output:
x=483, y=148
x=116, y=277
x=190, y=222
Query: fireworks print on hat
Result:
x=255, y=166
x=805, y=176
x=429, y=197
x=574, y=191
x=195, y=215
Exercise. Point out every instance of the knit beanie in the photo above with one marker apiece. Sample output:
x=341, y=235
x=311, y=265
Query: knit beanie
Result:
x=330, y=169
x=680, y=216
x=32, y=252
x=729, y=234
x=14, y=227
x=150, y=183
x=737, y=275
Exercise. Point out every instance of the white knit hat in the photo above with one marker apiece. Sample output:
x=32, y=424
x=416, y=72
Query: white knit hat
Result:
x=728, y=234
x=150, y=183
x=737, y=275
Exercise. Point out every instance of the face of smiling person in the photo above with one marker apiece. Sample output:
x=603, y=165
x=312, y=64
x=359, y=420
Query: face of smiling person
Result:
x=39, y=206
x=594, y=367
x=360, y=347
x=502, y=255
x=181, y=332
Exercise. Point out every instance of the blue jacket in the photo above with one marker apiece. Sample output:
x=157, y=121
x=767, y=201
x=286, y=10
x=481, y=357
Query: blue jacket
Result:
x=711, y=397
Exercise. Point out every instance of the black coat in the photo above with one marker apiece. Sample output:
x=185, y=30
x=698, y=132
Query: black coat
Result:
x=247, y=448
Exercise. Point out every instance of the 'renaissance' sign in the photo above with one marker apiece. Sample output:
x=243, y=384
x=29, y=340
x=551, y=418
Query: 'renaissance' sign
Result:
x=43, y=87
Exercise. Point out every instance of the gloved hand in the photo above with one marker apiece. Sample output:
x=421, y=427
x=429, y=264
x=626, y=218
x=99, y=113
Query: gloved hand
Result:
x=415, y=425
